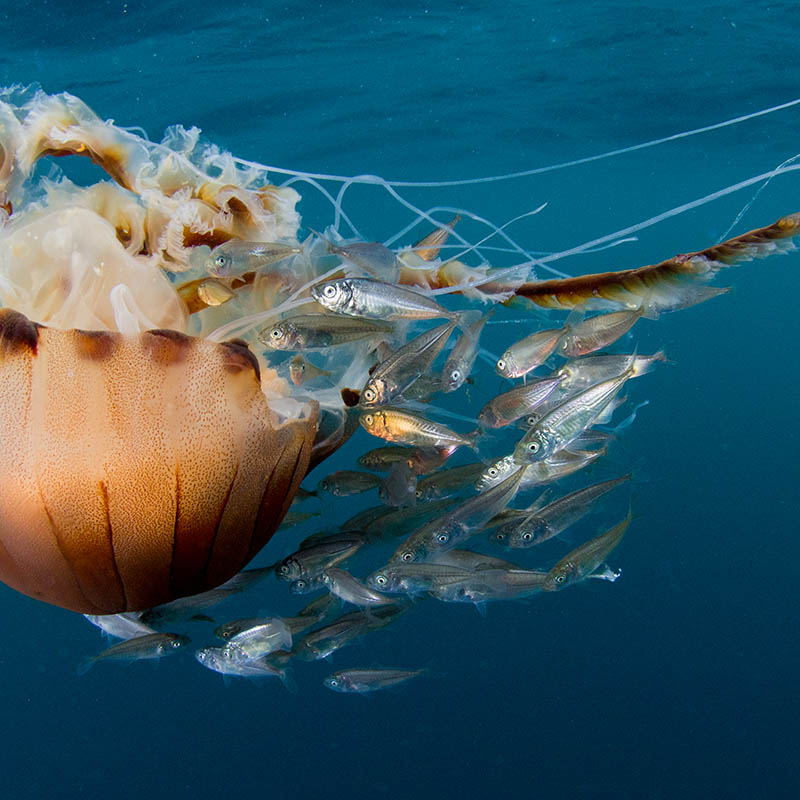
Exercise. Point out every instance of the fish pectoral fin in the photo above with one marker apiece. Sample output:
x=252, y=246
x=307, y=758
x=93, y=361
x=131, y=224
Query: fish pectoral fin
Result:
x=605, y=573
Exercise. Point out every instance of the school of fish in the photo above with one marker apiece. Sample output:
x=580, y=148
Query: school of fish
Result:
x=461, y=492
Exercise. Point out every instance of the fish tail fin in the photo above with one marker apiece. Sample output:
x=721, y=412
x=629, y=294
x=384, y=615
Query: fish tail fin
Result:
x=85, y=665
x=286, y=677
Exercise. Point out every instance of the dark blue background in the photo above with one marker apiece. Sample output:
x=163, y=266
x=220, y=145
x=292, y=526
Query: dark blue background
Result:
x=680, y=679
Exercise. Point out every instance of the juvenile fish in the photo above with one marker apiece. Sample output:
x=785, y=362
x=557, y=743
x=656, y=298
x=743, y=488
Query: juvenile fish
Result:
x=122, y=626
x=382, y=458
x=344, y=630
x=303, y=371
x=296, y=517
x=140, y=648
x=556, y=517
x=559, y=465
x=362, y=297
x=347, y=482
x=342, y=584
x=423, y=388
x=319, y=332
x=581, y=373
x=528, y=353
x=470, y=560
x=235, y=257
x=396, y=425
x=368, y=680
x=510, y=406
x=312, y=561
x=597, y=332
x=565, y=423
x=413, y=578
x=456, y=526
x=218, y=659
x=584, y=560
x=462, y=357
x=492, y=584
x=448, y=482
x=399, y=371
x=259, y=640
x=373, y=258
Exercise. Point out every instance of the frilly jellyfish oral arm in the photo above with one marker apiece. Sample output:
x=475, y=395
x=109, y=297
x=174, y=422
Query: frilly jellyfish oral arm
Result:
x=671, y=284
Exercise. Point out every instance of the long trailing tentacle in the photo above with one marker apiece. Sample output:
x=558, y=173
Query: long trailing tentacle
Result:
x=671, y=284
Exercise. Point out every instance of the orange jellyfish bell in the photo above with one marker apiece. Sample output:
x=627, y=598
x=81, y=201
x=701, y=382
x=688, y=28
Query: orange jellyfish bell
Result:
x=138, y=468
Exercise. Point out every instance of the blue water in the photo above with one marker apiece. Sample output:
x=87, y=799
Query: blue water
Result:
x=678, y=680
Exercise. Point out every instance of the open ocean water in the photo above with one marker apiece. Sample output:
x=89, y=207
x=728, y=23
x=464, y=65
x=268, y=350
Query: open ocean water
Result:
x=677, y=681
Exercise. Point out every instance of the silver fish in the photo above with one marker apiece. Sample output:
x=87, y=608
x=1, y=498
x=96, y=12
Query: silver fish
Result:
x=456, y=526
x=581, y=373
x=218, y=659
x=235, y=257
x=312, y=561
x=412, y=578
x=557, y=429
x=373, y=258
x=399, y=371
x=302, y=371
x=342, y=584
x=362, y=297
x=369, y=680
x=319, y=332
x=584, y=560
x=556, y=517
x=510, y=406
x=344, y=630
x=462, y=357
x=559, y=465
x=259, y=640
x=347, y=482
x=382, y=458
x=492, y=584
x=140, y=648
x=396, y=425
x=122, y=626
x=448, y=482
x=528, y=353
x=595, y=333
x=470, y=560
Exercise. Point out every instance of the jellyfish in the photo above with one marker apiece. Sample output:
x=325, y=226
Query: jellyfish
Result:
x=153, y=446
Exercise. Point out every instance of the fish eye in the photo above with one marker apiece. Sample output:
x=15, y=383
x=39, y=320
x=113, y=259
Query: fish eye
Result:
x=443, y=538
x=527, y=536
x=334, y=682
x=499, y=536
x=381, y=580
x=560, y=578
x=531, y=420
x=407, y=556
x=329, y=291
x=418, y=493
x=533, y=447
x=455, y=375
x=369, y=394
x=300, y=584
x=369, y=419
x=220, y=260
x=283, y=569
x=276, y=333
x=175, y=643
x=492, y=472
x=501, y=363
